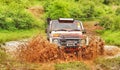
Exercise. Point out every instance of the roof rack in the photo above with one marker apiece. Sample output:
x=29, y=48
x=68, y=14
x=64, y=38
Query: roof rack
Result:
x=66, y=20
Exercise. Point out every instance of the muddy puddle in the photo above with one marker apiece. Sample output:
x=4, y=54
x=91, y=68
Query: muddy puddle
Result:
x=111, y=51
x=11, y=46
x=40, y=50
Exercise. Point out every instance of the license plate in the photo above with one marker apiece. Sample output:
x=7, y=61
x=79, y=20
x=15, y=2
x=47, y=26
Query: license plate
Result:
x=70, y=43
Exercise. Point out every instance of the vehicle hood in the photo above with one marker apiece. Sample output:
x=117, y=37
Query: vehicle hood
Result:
x=68, y=34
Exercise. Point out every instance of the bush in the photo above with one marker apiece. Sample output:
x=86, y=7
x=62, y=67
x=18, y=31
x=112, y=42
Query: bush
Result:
x=58, y=9
x=107, y=22
x=13, y=15
x=108, y=2
x=111, y=2
x=88, y=9
x=70, y=9
x=76, y=9
x=110, y=22
x=117, y=12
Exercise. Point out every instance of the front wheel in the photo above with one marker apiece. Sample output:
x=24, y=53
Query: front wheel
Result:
x=79, y=54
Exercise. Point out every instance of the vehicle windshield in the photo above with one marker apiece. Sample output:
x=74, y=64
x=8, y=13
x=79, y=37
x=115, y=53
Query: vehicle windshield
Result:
x=65, y=26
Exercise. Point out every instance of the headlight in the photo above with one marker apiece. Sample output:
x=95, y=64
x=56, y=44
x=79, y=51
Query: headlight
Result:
x=82, y=42
x=56, y=35
x=55, y=41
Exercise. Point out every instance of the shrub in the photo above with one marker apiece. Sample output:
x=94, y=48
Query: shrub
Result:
x=117, y=23
x=88, y=9
x=76, y=9
x=107, y=22
x=117, y=12
x=110, y=22
x=108, y=2
x=58, y=9
x=14, y=15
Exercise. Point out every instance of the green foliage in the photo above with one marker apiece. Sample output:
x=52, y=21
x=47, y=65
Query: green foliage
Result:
x=110, y=22
x=71, y=66
x=111, y=2
x=16, y=3
x=76, y=9
x=111, y=37
x=107, y=22
x=117, y=12
x=14, y=15
x=88, y=9
x=108, y=2
x=58, y=9
x=6, y=35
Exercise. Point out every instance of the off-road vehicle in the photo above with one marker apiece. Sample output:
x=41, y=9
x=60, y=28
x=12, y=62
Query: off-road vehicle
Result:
x=67, y=33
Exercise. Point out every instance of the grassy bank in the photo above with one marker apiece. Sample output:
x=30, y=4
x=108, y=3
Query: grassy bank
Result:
x=72, y=66
x=107, y=64
x=111, y=37
x=18, y=34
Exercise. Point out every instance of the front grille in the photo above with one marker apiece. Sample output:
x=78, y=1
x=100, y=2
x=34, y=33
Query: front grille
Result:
x=69, y=42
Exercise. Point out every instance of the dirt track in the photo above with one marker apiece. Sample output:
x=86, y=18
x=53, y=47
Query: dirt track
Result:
x=38, y=44
x=110, y=51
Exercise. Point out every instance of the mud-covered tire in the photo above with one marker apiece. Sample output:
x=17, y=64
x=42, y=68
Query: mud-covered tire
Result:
x=97, y=45
x=94, y=49
x=79, y=54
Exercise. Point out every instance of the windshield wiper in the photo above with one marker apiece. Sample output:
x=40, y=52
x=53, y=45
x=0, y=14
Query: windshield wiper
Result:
x=75, y=30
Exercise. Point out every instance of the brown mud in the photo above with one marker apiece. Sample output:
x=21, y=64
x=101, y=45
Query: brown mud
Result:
x=40, y=50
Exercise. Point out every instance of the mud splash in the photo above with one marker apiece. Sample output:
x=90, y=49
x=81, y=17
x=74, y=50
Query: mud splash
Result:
x=40, y=50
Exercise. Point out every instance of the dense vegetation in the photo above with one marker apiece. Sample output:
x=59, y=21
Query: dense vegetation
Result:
x=81, y=9
x=17, y=22
x=111, y=23
x=14, y=15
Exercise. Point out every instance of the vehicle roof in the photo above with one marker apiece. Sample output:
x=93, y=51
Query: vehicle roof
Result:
x=57, y=21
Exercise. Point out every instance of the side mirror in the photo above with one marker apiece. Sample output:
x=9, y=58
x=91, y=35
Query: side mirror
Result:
x=45, y=30
x=84, y=31
x=48, y=20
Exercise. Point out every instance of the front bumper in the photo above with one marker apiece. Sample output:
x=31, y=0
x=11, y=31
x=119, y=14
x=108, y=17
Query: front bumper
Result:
x=67, y=42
